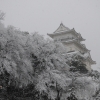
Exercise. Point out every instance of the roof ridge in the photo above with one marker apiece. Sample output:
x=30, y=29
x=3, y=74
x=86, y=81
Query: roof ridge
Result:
x=61, y=28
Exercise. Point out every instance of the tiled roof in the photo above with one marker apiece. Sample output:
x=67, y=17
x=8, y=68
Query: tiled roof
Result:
x=62, y=28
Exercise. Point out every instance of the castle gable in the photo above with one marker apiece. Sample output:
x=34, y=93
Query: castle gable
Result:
x=62, y=28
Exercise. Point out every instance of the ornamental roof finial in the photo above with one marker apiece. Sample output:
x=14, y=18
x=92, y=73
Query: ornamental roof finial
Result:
x=61, y=23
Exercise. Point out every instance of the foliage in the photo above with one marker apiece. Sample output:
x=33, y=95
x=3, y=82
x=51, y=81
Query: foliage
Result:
x=72, y=97
x=75, y=62
x=13, y=57
x=95, y=74
x=24, y=58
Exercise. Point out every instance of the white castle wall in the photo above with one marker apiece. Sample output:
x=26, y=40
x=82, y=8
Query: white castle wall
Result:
x=73, y=47
x=88, y=65
x=64, y=36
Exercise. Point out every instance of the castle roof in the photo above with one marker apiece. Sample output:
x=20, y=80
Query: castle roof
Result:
x=62, y=28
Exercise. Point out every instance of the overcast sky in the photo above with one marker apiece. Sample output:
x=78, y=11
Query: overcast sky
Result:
x=44, y=16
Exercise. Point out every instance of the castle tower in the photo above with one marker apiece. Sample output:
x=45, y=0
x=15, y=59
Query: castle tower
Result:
x=72, y=41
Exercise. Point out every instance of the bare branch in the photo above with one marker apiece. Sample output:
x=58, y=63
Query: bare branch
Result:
x=2, y=15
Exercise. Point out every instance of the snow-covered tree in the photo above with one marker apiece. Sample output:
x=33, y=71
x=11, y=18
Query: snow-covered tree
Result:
x=75, y=61
x=13, y=58
x=52, y=83
x=31, y=61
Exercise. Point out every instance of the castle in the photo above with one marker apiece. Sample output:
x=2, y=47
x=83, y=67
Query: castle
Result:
x=73, y=42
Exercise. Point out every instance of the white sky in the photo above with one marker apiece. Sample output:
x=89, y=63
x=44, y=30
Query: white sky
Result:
x=44, y=16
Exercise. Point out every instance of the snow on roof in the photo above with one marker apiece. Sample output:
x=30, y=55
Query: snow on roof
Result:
x=62, y=28
x=85, y=55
